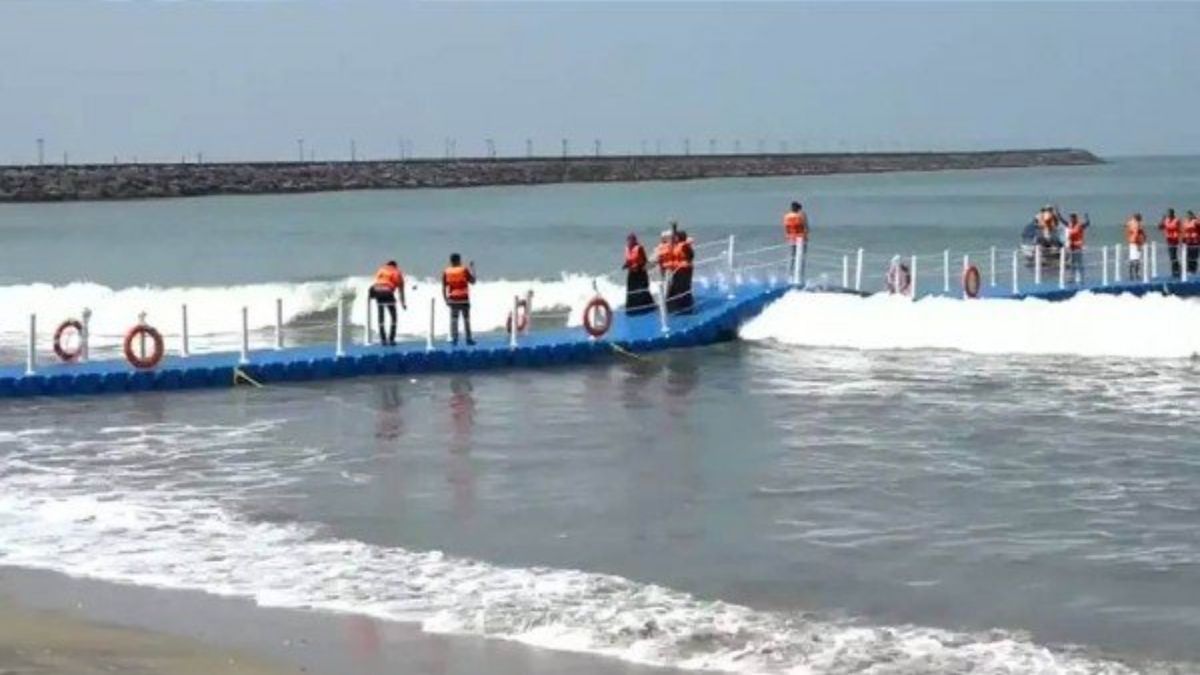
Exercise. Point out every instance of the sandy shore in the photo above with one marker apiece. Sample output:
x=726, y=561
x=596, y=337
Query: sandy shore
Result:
x=51, y=624
x=52, y=643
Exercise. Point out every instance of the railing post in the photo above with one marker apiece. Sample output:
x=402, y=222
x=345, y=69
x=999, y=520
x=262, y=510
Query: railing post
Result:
x=992, y=268
x=278, y=323
x=1183, y=258
x=1117, y=263
x=858, y=270
x=84, y=335
x=429, y=335
x=912, y=278
x=1142, y=263
x=1154, y=259
x=244, y=358
x=946, y=272
x=1062, y=267
x=1103, y=265
x=846, y=271
x=184, y=350
x=1037, y=265
x=340, y=348
x=963, y=276
x=529, y=311
x=796, y=265
x=367, y=323
x=31, y=354
x=729, y=254
x=1016, y=271
x=512, y=334
x=662, y=305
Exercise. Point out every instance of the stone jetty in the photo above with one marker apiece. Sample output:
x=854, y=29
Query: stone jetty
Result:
x=147, y=181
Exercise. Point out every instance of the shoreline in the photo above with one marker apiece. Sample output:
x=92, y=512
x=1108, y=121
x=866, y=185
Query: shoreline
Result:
x=108, y=182
x=92, y=624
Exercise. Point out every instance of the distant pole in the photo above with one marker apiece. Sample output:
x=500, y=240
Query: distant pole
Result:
x=712, y=146
x=353, y=151
x=564, y=148
x=783, y=147
x=65, y=158
x=597, y=144
x=529, y=147
x=115, y=160
x=658, y=146
x=41, y=145
x=491, y=148
x=762, y=146
x=199, y=157
x=453, y=148
x=687, y=146
x=300, y=147
x=400, y=148
x=737, y=146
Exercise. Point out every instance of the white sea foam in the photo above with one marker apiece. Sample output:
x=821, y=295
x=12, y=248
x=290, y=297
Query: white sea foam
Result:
x=114, y=517
x=214, y=313
x=1087, y=325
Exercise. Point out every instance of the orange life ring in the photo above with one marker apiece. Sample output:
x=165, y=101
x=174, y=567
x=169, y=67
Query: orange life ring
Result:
x=522, y=317
x=597, y=317
x=143, y=361
x=898, y=279
x=63, y=353
x=971, y=281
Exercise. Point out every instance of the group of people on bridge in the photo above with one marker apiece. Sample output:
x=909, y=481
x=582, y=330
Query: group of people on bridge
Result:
x=1181, y=235
x=457, y=279
x=675, y=258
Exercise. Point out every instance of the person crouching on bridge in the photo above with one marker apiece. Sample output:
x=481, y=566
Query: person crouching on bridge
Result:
x=1189, y=234
x=638, y=299
x=388, y=280
x=456, y=291
x=795, y=229
x=679, y=288
x=1172, y=231
x=1075, y=235
x=1135, y=236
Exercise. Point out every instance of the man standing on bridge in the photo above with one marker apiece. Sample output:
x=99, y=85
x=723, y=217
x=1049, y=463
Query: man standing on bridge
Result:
x=795, y=228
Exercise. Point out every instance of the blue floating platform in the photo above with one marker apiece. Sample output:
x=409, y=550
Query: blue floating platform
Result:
x=716, y=317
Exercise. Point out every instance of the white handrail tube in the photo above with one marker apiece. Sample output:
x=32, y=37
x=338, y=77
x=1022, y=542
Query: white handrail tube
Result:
x=946, y=271
x=278, y=323
x=1037, y=265
x=1117, y=263
x=662, y=305
x=1154, y=259
x=367, y=323
x=1183, y=259
x=512, y=334
x=966, y=266
x=429, y=335
x=912, y=277
x=992, y=268
x=31, y=353
x=340, y=349
x=729, y=253
x=1016, y=271
x=846, y=271
x=84, y=335
x=858, y=270
x=244, y=358
x=184, y=351
x=1062, y=267
x=1104, y=265
x=1144, y=266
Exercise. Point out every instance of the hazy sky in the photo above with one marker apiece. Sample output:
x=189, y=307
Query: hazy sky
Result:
x=244, y=80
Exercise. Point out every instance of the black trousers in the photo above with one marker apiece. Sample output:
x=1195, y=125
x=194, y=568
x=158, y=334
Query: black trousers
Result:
x=462, y=309
x=385, y=302
x=638, y=299
x=1173, y=251
x=679, y=291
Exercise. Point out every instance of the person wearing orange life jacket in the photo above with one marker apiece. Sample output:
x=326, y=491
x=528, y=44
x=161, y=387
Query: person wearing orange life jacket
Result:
x=1172, y=231
x=456, y=291
x=664, y=252
x=638, y=299
x=795, y=230
x=1189, y=236
x=679, y=290
x=1075, y=236
x=388, y=281
x=1135, y=237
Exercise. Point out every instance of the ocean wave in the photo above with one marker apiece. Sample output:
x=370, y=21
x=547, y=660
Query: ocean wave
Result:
x=1153, y=326
x=181, y=534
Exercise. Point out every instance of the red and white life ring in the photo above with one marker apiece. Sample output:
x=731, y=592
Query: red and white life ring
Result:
x=64, y=353
x=141, y=359
x=597, y=317
x=898, y=279
x=522, y=310
x=971, y=281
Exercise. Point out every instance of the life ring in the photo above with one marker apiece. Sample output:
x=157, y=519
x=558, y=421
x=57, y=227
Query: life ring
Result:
x=971, y=281
x=522, y=310
x=597, y=317
x=63, y=353
x=898, y=279
x=143, y=361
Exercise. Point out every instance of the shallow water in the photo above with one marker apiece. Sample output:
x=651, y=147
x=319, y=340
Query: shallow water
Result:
x=837, y=492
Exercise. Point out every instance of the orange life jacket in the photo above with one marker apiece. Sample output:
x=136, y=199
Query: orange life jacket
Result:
x=665, y=253
x=458, y=283
x=635, y=258
x=795, y=225
x=1047, y=220
x=388, y=278
x=682, y=254
x=1191, y=232
x=1134, y=234
x=1170, y=227
x=1075, y=236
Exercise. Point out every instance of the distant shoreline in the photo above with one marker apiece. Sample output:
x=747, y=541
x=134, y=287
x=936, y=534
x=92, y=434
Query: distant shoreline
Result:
x=93, y=182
